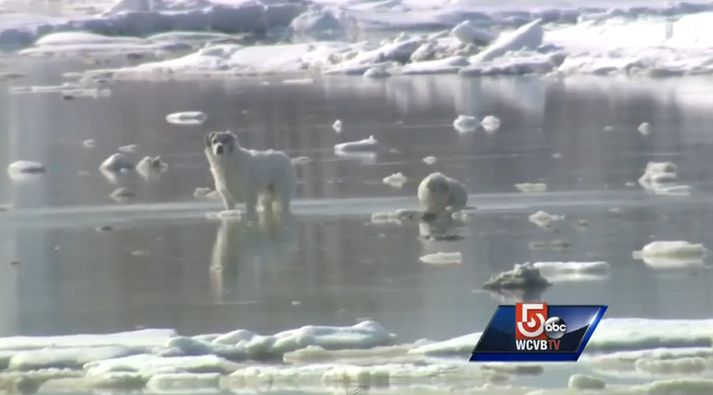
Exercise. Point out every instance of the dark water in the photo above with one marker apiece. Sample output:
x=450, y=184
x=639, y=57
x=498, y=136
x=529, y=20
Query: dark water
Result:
x=165, y=264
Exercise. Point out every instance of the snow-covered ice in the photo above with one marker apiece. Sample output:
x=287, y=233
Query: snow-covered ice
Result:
x=430, y=160
x=23, y=168
x=131, y=148
x=584, y=382
x=544, y=219
x=396, y=180
x=443, y=258
x=490, y=123
x=187, y=118
x=465, y=123
x=660, y=178
x=150, y=167
x=368, y=144
x=469, y=33
x=528, y=36
x=531, y=187
x=644, y=128
x=572, y=271
x=673, y=255
x=337, y=126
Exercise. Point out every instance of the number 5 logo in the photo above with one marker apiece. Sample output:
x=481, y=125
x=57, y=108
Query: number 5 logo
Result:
x=530, y=320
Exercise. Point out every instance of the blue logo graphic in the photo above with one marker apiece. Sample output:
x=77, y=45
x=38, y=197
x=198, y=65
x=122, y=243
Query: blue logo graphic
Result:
x=534, y=331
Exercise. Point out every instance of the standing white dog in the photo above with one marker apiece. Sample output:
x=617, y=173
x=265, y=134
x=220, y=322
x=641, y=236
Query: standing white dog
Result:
x=249, y=175
x=439, y=194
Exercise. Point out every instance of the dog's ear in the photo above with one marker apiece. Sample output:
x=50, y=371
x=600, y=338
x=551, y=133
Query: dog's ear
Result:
x=209, y=138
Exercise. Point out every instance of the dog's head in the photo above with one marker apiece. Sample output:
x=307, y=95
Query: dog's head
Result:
x=221, y=143
x=438, y=184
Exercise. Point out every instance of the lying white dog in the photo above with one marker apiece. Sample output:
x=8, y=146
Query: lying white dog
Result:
x=249, y=175
x=439, y=194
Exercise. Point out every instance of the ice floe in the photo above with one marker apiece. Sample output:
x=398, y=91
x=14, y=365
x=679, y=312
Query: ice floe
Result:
x=532, y=187
x=24, y=168
x=673, y=255
x=467, y=32
x=465, y=123
x=443, y=258
x=430, y=160
x=337, y=126
x=572, y=271
x=644, y=128
x=660, y=178
x=584, y=382
x=131, y=148
x=151, y=167
x=368, y=144
x=490, y=123
x=528, y=36
x=187, y=118
x=544, y=219
x=396, y=180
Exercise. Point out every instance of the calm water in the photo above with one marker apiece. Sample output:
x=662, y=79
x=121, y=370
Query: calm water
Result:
x=165, y=264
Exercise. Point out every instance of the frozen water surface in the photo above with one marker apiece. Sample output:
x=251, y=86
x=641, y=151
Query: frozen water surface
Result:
x=72, y=260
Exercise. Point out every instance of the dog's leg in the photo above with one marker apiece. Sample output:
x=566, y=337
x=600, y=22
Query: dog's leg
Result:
x=251, y=206
x=228, y=199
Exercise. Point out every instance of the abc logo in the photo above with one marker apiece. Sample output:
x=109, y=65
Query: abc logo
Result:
x=533, y=322
x=555, y=328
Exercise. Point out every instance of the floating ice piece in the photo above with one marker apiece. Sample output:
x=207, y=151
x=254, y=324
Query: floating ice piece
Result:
x=532, y=187
x=465, y=123
x=458, y=346
x=396, y=180
x=226, y=214
x=150, y=364
x=23, y=168
x=525, y=275
x=515, y=64
x=658, y=367
x=427, y=51
x=430, y=160
x=117, y=163
x=376, y=72
x=443, y=258
x=660, y=178
x=468, y=33
x=368, y=144
x=301, y=160
x=89, y=143
x=298, y=81
x=140, y=338
x=572, y=271
x=318, y=23
x=544, y=219
x=67, y=358
x=150, y=167
x=490, y=123
x=187, y=118
x=644, y=128
x=551, y=245
x=673, y=255
x=622, y=334
x=452, y=64
x=584, y=382
x=337, y=126
x=528, y=36
x=184, y=383
x=121, y=194
x=131, y=148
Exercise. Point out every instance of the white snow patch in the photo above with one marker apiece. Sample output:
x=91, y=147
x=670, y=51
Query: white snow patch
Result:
x=187, y=118
x=532, y=187
x=528, y=36
x=544, y=219
x=673, y=255
x=572, y=271
x=23, y=168
x=396, y=180
x=490, y=123
x=443, y=258
x=368, y=144
x=468, y=33
x=430, y=160
x=465, y=123
x=337, y=126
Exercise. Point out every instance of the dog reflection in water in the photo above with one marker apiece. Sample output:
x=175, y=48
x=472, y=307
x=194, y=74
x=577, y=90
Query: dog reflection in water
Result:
x=244, y=252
